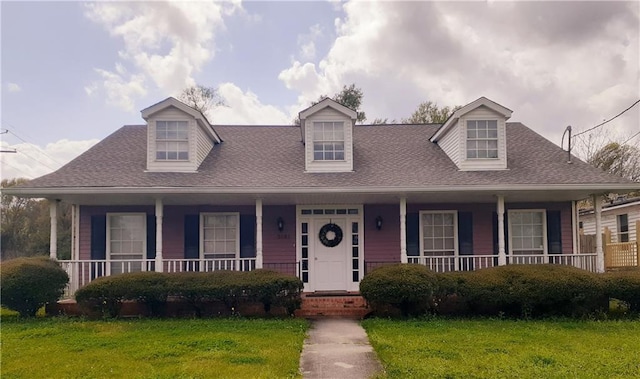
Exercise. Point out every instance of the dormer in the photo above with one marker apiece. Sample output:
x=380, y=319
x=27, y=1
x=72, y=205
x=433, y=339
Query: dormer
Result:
x=474, y=137
x=327, y=134
x=179, y=137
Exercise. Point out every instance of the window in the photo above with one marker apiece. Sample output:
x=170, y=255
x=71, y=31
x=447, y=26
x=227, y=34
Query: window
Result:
x=623, y=228
x=439, y=233
x=527, y=231
x=482, y=139
x=127, y=238
x=220, y=235
x=328, y=141
x=172, y=140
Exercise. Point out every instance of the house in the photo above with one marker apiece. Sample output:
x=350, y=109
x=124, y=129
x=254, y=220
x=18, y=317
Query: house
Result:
x=619, y=226
x=620, y=217
x=327, y=200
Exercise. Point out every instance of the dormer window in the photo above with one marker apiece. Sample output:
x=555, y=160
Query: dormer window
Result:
x=482, y=139
x=172, y=140
x=328, y=141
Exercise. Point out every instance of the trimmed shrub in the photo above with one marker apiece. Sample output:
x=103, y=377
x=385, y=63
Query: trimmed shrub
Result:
x=272, y=288
x=198, y=289
x=107, y=293
x=624, y=286
x=534, y=291
x=408, y=287
x=27, y=284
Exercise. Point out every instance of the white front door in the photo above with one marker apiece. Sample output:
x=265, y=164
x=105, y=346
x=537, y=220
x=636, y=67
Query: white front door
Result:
x=330, y=263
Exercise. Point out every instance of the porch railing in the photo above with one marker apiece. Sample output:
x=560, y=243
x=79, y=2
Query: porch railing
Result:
x=82, y=272
x=476, y=262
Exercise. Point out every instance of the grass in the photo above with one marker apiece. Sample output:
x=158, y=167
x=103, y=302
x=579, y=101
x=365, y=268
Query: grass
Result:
x=147, y=348
x=506, y=349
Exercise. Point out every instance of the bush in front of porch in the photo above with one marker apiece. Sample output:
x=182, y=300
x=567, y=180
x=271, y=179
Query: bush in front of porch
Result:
x=27, y=284
x=624, y=286
x=200, y=291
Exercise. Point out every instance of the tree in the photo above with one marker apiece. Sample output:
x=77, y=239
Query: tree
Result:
x=201, y=98
x=25, y=225
x=618, y=159
x=428, y=112
x=351, y=97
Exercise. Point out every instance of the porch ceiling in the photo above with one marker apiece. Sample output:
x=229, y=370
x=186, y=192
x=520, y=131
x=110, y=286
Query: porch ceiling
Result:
x=180, y=196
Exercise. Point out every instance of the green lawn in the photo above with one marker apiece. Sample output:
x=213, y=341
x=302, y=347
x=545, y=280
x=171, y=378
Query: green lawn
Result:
x=146, y=348
x=506, y=349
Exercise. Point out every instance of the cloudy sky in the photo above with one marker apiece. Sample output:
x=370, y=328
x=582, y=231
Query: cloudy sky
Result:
x=72, y=73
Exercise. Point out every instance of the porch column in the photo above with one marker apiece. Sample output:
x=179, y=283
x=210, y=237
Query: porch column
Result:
x=502, y=256
x=258, y=233
x=597, y=206
x=574, y=226
x=53, y=236
x=159, y=217
x=403, y=230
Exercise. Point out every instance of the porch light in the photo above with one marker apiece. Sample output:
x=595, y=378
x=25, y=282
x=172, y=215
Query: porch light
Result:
x=280, y=223
x=379, y=222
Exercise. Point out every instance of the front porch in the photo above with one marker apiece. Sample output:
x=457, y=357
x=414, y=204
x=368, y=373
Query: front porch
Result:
x=329, y=245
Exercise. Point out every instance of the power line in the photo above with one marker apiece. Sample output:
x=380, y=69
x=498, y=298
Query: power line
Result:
x=630, y=138
x=36, y=146
x=16, y=168
x=30, y=157
x=609, y=120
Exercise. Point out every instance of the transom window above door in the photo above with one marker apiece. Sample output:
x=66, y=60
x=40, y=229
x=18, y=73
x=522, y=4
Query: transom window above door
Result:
x=172, y=140
x=328, y=141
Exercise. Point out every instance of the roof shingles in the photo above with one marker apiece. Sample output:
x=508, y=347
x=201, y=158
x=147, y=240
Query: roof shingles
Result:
x=273, y=157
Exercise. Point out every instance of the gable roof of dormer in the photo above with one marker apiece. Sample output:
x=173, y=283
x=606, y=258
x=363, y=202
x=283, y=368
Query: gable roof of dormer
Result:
x=173, y=102
x=483, y=101
x=327, y=102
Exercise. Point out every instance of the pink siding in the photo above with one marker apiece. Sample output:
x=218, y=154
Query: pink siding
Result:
x=279, y=247
x=382, y=245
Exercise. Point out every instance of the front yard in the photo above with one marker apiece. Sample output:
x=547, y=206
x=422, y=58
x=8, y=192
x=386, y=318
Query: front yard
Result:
x=146, y=348
x=506, y=349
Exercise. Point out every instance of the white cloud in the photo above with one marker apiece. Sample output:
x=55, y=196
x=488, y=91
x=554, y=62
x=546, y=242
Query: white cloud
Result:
x=165, y=43
x=32, y=161
x=307, y=43
x=554, y=64
x=13, y=87
x=244, y=108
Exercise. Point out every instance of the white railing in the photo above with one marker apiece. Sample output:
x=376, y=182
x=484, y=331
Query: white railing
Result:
x=459, y=263
x=476, y=262
x=207, y=265
x=82, y=272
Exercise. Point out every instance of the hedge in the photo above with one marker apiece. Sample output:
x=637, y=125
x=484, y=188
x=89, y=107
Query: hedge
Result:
x=409, y=287
x=27, y=284
x=198, y=289
x=624, y=286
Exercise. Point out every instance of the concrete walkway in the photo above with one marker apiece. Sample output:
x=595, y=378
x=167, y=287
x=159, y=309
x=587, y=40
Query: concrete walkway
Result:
x=336, y=349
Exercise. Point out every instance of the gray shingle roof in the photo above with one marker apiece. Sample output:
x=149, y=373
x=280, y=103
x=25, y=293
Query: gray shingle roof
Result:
x=273, y=156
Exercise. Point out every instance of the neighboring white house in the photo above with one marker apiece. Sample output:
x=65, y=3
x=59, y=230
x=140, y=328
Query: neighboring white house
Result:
x=620, y=217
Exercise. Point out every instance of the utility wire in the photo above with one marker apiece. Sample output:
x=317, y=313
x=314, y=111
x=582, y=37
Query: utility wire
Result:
x=630, y=138
x=16, y=168
x=25, y=141
x=30, y=157
x=609, y=120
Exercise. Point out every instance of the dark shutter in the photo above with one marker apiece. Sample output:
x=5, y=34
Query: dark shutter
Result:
x=98, y=244
x=192, y=236
x=247, y=236
x=465, y=233
x=413, y=234
x=98, y=237
x=151, y=237
x=554, y=232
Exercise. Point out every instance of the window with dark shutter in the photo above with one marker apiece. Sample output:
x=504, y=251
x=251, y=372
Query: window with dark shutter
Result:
x=413, y=234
